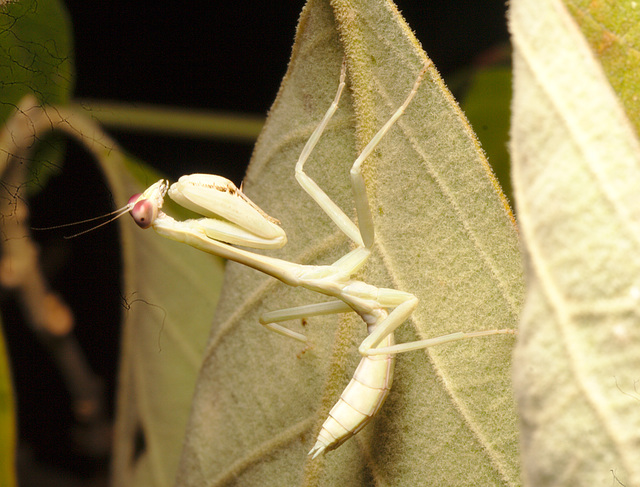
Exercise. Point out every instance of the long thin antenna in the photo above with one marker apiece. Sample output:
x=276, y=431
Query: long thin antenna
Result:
x=118, y=213
x=123, y=211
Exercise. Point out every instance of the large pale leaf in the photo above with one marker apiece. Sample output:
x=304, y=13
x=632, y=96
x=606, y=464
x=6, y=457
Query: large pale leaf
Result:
x=576, y=173
x=171, y=292
x=443, y=232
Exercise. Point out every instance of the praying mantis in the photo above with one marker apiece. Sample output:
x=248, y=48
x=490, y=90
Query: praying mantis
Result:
x=230, y=218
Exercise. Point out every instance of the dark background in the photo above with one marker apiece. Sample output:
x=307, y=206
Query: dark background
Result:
x=206, y=55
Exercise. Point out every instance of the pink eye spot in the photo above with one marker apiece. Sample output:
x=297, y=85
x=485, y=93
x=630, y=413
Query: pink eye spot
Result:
x=134, y=198
x=144, y=212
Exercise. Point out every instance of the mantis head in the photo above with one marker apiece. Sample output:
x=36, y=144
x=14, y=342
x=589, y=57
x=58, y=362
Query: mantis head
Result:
x=144, y=207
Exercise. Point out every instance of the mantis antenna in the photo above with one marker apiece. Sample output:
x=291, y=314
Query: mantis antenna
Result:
x=118, y=213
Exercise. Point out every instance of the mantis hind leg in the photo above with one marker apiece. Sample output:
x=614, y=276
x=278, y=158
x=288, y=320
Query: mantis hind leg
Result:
x=269, y=320
x=333, y=211
x=363, y=234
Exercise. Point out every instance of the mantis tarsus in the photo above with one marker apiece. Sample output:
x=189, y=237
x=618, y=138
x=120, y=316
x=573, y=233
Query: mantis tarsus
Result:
x=231, y=218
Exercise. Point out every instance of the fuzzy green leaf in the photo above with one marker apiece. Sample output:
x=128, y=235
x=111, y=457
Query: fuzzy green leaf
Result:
x=576, y=171
x=444, y=232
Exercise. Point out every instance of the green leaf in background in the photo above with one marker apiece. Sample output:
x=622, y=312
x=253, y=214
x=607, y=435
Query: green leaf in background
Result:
x=444, y=232
x=487, y=106
x=611, y=29
x=171, y=291
x=36, y=57
x=36, y=53
x=576, y=174
x=7, y=421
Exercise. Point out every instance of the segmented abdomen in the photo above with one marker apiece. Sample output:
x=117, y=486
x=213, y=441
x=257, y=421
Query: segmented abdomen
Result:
x=360, y=401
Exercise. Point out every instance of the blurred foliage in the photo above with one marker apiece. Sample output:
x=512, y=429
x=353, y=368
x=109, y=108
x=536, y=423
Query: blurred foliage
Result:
x=7, y=421
x=36, y=57
x=487, y=105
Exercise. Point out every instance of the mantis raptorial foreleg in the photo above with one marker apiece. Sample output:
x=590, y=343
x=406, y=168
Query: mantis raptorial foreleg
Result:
x=231, y=218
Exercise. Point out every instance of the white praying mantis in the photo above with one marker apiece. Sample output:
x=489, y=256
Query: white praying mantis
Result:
x=229, y=217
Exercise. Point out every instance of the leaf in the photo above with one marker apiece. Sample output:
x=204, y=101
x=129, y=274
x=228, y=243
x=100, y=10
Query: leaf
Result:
x=444, y=232
x=611, y=30
x=170, y=293
x=7, y=420
x=487, y=106
x=35, y=54
x=36, y=57
x=576, y=172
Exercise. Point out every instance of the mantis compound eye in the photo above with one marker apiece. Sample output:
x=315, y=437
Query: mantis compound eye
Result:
x=144, y=212
x=133, y=199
